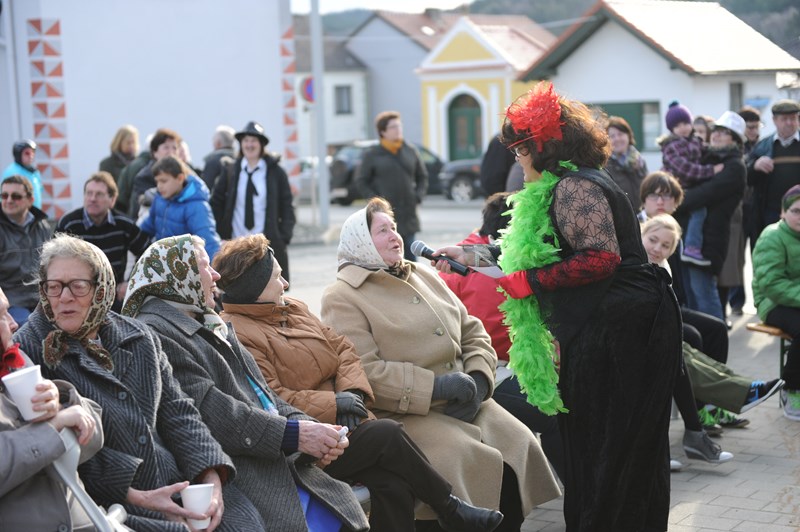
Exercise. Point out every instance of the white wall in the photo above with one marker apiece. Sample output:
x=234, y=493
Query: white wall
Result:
x=614, y=66
x=155, y=63
x=391, y=59
x=339, y=129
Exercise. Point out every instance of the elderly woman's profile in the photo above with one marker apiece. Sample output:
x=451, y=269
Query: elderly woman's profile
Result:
x=156, y=443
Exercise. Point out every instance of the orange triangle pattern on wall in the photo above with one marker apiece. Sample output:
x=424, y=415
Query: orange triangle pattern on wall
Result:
x=50, y=113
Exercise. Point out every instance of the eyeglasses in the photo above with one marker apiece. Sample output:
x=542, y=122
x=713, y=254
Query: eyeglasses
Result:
x=663, y=197
x=15, y=196
x=78, y=287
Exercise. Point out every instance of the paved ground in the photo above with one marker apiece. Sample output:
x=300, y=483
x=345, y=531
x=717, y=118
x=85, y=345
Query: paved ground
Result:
x=759, y=490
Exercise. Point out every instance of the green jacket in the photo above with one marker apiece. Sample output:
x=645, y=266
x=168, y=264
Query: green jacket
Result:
x=776, y=269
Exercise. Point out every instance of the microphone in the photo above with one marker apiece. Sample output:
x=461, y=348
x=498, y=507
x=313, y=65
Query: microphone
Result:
x=419, y=249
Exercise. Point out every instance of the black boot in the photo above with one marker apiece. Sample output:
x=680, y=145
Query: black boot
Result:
x=460, y=516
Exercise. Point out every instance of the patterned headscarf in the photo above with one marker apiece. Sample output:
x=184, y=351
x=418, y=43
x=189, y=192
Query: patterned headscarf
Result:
x=168, y=270
x=356, y=245
x=55, y=345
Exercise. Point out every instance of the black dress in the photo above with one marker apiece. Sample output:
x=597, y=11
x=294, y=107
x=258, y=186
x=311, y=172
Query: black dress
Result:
x=620, y=341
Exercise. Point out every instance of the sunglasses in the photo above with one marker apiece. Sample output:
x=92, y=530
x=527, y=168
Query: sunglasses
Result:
x=16, y=196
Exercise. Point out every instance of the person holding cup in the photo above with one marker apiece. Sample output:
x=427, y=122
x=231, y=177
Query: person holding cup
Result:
x=274, y=445
x=156, y=443
x=29, y=447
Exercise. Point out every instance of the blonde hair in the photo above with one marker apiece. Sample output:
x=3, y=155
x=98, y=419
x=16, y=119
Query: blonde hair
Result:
x=122, y=135
x=663, y=221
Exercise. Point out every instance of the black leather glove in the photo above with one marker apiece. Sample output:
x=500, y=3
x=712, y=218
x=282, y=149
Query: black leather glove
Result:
x=467, y=410
x=350, y=409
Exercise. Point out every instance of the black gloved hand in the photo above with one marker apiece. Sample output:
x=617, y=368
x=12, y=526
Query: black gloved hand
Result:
x=453, y=387
x=351, y=421
x=350, y=409
x=467, y=410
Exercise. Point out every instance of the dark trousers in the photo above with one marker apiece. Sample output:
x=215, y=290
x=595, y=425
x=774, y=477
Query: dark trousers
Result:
x=736, y=297
x=509, y=396
x=705, y=333
x=510, y=507
x=382, y=457
x=788, y=320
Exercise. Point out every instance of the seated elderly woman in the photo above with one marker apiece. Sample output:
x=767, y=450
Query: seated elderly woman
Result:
x=156, y=443
x=272, y=444
x=29, y=448
x=318, y=371
x=432, y=367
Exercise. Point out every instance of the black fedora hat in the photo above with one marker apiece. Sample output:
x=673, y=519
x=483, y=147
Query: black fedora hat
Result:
x=254, y=129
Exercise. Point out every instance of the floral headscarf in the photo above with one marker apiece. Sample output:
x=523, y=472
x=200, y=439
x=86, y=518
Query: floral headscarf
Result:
x=168, y=270
x=55, y=345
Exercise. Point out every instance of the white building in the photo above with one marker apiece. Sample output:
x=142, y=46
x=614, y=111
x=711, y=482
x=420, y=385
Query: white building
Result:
x=633, y=57
x=73, y=71
x=345, y=85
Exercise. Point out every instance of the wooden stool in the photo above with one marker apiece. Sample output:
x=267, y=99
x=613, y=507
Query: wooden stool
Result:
x=786, y=340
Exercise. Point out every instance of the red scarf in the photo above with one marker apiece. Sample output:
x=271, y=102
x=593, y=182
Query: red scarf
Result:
x=11, y=360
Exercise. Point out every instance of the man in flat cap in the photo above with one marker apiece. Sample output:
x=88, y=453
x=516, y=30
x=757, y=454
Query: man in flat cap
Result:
x=773, y=167
x=252, y=195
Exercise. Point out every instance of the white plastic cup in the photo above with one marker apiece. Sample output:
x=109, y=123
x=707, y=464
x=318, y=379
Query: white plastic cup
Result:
x=21, y=386
x=197, y=498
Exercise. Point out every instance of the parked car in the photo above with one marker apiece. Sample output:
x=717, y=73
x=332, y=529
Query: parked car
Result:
x=304, y=184
x=461, y=180
x=347, y=159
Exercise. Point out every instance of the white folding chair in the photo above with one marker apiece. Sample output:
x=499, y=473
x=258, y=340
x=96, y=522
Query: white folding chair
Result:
x=66, y=466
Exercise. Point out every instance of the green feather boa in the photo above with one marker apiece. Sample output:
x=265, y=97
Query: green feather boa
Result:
x=524, y=246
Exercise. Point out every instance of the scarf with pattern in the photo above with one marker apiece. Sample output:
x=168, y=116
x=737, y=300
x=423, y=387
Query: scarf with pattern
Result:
x=55, y=344
x=168, y=270
x=631, y=159
x=530, y=242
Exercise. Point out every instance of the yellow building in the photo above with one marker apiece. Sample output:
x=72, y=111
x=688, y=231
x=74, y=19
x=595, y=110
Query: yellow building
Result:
x=470, y=77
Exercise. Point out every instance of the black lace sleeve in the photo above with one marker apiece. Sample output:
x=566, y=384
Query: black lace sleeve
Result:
x=583, y=216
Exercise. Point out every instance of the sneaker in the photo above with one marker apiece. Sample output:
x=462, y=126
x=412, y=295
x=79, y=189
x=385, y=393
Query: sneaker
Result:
x=737, y=311
x=695, y=256
x=729, y=420
x=699, y=446
x=709, y=423
x=791, y=404
x=760, y=391
x=674, y=465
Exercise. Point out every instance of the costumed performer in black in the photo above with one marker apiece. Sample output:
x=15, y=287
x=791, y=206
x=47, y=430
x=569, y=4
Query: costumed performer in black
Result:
x=582, y=295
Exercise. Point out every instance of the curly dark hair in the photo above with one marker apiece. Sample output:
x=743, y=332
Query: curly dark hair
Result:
x=584, y=140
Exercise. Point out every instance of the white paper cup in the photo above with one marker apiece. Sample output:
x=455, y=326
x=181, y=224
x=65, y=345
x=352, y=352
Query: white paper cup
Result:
x=21, y=386
x=197, y=498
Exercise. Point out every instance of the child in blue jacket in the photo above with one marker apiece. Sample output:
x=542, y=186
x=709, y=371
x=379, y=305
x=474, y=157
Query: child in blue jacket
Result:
x=181, y=205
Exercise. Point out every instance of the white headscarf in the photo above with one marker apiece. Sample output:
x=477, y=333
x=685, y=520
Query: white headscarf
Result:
x=356, y=245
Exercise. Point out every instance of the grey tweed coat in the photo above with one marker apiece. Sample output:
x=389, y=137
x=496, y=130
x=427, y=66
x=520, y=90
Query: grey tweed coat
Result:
x=154, y=436
x=216, y=375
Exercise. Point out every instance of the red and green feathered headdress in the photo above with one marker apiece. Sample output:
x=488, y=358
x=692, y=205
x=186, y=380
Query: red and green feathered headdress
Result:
x=538, y=114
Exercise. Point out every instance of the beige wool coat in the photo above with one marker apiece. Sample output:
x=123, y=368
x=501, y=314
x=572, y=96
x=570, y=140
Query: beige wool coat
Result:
x=408, y=331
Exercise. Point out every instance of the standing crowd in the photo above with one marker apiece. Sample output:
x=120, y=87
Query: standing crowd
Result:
x=458, y=406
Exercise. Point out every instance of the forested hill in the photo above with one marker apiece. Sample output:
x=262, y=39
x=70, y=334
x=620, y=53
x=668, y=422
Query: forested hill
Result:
x=778, y=20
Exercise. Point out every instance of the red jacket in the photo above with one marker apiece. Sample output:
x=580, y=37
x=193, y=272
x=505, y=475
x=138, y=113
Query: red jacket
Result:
x=479, y=294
